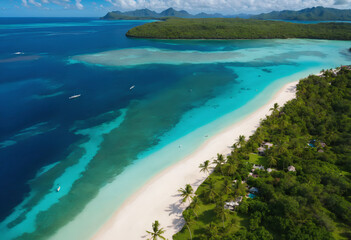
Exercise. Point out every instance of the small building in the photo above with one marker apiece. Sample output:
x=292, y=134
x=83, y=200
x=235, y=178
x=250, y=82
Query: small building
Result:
x=291, y=169
x=231, y=205
x=264, y=147
x=253, y=190
x=261, y=151
x=271, y=170
x=320, y=151
x=323, y=145
x=259, y=167
x=268, y=145
x=254, y=175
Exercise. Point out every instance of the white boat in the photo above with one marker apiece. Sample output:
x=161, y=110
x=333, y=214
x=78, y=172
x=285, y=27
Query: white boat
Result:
x=18, y=53
x=132, y=87
x=74, y=96
x=58, y=189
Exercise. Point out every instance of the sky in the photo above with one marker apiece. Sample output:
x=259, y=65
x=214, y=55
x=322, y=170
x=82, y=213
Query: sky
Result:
x=98, y=8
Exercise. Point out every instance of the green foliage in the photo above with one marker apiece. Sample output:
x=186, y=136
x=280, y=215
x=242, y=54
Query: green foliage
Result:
x=230, y=28
x=205, y=167
x=156, y=232
x=312, y=203
x=309, y=14
x=186, y=192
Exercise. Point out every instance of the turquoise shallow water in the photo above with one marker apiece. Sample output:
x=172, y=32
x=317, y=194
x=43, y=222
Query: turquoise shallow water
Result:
x=122, y=137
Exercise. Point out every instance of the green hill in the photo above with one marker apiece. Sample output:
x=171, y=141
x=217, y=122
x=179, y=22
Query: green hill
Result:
x=146, y=14
x=309, y=14
x=226, y=28
x=136, y=15
x=170, y=12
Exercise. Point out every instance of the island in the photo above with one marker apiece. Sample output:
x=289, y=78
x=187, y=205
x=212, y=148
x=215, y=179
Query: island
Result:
x=309, y=14
x=289, y=180
x=146, y=14
x=236, y=28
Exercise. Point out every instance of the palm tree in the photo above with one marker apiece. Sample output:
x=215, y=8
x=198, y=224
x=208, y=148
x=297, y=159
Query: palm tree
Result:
x=211, y=190
x=259, y=134
x=227, y=186
x=221, y=212
x=235, y=146
x=231, y=169
x=283, y=123
x=195, y=204
x=219, y=161
x=241, y=140
x=186, y=192
x=188, y=217
x=156, y=231
x=212, y=231
x=240, y=189
x=275, y=108
x=298, y=144
x=205, y=166
x=272, y=161
x=281, y=147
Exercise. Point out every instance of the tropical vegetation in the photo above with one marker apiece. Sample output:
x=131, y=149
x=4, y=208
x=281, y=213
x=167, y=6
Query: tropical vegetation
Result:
x=306, y=194
x=156, y=232
x=236, y=28
x=309, y=14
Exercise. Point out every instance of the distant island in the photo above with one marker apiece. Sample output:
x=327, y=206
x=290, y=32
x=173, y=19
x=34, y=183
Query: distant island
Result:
x=145, y=14
x=229, y=28
x=309, y=14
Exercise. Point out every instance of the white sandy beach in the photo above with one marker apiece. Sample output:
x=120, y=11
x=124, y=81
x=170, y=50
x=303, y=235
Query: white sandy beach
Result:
x=159, y=198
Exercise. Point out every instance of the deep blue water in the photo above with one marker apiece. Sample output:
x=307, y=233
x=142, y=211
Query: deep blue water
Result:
x=35, y=85
x=22, y=81
x=180, y=86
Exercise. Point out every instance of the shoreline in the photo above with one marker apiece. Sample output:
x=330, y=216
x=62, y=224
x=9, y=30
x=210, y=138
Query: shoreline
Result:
x=138, y=212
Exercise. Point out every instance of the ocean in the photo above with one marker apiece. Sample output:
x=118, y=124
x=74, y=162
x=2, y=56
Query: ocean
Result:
x=141, y=105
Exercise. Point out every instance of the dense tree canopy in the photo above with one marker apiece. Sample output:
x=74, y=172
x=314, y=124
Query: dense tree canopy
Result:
x=311, y=133
x=309, y=14
x=231, y=28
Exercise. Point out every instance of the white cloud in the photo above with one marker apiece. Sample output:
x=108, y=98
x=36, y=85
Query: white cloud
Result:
x=225, y=6
x=79, y=5
x=34, y=3
x=24, y=3
x=60, y=2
